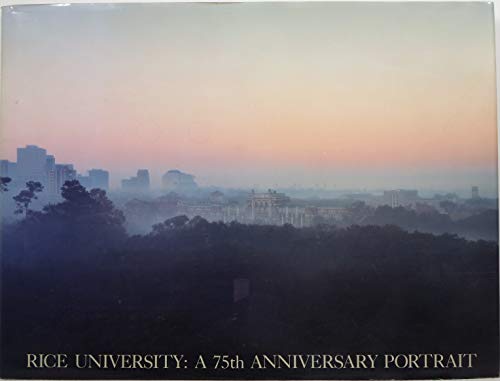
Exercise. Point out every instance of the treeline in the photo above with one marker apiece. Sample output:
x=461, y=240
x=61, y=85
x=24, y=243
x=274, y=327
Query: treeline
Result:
x=74, y=282
x=482, y=225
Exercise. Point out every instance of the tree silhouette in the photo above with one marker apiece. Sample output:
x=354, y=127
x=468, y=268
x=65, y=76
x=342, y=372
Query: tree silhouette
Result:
x=74, y=192
x=170, y=224
x=26, y=196
x=79, y=202
x=83, y=221
x=3, y=183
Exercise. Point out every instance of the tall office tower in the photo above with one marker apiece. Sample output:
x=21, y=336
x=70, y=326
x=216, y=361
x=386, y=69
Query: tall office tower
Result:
x=178, y=181
x=85, y=181
x=475, y=192
x=12, y=170
x=137, y=183
x=9, y=169
x=99, y=178
x=31, y=164
x=50, y=173
x=4, y=168
x=143, y=178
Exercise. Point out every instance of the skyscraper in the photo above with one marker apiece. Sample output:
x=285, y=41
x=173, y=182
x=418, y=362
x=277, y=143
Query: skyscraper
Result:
x=50, y=172
x=31, y=164
x=176, y=180
x=8, y=169
x=85, y=181
x=99, y=178
x=137, y=183
x=143, y=178
x=475, y=192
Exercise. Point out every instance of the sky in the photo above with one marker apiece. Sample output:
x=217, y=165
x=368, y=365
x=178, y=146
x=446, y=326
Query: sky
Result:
x=334, y=95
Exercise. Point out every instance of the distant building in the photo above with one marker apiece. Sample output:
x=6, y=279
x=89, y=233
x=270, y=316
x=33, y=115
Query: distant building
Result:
x=178, y=181
x=446, y=197
x=50, y=171
x=34, y=164
x=129, y=184
x=329, y=213
x=31, y=164
x=64, y=172
x=265, y=206
x=96, y=178
x=400, y=197
x=85, y=181
x=143, y=178
x=137, y=183
x=4, y=168
x=217, y=197
x=50, y=162
x=475, y=192
x=99, y=178
x=8, y=168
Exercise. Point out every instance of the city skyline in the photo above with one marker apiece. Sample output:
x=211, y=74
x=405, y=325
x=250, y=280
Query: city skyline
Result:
x=38, y=164
x=362, y=96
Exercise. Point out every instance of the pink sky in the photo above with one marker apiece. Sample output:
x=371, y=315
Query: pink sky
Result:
x=249, y=88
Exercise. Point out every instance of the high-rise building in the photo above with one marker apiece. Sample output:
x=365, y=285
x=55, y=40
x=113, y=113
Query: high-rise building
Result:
x=4, y=168
x=12, y=168
x=50, y=162
x=50, y=172
x=8, y=169
x=85, y=181
x=99, y=178
x=143, y=178
x=137, y=183
x=31, y=164
x=475, y=192
x=177, y=181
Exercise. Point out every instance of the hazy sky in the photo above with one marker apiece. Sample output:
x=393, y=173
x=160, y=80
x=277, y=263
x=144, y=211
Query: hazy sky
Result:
x=331, y=94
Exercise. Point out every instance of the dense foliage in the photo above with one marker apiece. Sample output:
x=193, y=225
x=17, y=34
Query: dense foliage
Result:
x=481, y=225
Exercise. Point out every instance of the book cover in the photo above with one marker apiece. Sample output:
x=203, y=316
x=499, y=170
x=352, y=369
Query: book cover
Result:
x=249, y=191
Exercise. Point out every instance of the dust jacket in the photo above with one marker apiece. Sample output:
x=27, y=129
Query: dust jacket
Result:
x=294, y=190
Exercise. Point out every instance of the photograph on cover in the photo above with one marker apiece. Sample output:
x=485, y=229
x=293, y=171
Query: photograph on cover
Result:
x=249, y=191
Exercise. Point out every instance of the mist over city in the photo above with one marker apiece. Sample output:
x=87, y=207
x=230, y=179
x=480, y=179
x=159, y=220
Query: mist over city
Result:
x=249, y=178
x=179, y=194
